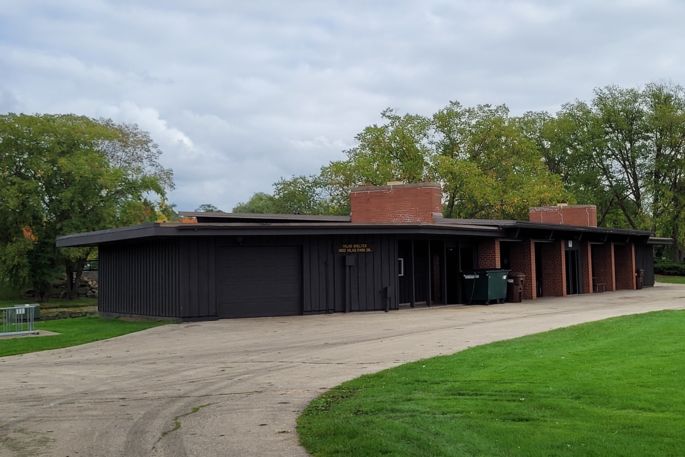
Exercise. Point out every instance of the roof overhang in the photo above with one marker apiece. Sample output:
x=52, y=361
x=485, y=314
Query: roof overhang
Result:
x=219, y=216
x=505, y=230
x=170, y=230
x=660, y=241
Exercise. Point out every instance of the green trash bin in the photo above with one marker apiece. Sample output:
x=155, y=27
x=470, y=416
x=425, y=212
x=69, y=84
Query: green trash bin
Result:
x=485, y=286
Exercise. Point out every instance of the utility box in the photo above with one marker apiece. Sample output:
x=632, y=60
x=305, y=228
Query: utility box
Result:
x=485, y=286
x=515, y=287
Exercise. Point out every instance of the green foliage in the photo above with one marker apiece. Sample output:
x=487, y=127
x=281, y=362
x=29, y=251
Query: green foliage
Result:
x=207, y=208
x=72, y=332
x=63, y=174
x=590, y=390
x=488, y=166
x=625, y=152
x=260, y=203
x=669, y=267
x=297, y=195
x=481, y=156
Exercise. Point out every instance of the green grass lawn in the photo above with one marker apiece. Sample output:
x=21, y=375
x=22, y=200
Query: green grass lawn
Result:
x=611, y=388
x=72, y=332
x=670, y=279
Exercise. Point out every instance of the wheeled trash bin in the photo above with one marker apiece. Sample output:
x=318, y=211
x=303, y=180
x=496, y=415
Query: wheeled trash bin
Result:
x=515, y=287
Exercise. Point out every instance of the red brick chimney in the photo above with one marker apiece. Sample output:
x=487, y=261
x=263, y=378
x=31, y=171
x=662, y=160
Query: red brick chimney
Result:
x=579, y=215
x=396, y=203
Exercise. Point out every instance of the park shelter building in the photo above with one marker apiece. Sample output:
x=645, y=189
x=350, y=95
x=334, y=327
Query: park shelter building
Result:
x=394, y=250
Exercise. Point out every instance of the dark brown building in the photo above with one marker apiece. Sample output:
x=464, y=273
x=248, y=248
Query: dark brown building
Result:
x=395, y=249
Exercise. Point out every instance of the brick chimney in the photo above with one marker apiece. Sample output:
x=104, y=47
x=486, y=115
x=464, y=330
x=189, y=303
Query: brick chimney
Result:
x=396, y=203
x=579, y=215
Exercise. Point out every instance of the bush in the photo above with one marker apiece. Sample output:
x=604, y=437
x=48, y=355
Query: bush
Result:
x=669, y=267
x=7, y=291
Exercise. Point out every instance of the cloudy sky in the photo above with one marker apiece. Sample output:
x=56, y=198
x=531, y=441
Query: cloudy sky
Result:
x=238, y=94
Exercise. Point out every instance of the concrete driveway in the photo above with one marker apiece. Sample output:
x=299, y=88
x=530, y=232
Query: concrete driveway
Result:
x=235, y=387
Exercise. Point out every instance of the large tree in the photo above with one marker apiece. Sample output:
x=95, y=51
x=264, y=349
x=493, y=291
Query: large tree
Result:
x=487, y=166
x=625, y=152
x=63, y=174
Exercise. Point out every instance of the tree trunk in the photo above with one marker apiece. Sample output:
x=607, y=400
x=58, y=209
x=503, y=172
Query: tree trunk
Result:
x=604, y=212
x=675, y=252
x=450, y=204
x=74, y=272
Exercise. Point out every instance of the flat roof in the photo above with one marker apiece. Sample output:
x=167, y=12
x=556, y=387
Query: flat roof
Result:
x=229, y=224
x=509, y=223
x=210, y=216
x=173, y=229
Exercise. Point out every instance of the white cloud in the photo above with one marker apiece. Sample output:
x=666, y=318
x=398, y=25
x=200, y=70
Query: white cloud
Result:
x=240, y=94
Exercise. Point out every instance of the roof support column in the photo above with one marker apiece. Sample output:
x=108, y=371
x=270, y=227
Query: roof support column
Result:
x=489, y=254
x=522, y=260
x=586, y=267
x=624, y=256
x=553, y=264
x=604, y=276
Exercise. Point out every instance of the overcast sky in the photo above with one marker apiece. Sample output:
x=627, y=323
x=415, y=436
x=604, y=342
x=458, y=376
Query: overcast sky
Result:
x=238, y=94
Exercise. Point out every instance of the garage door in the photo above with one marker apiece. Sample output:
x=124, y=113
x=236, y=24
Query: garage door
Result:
x=259, y=281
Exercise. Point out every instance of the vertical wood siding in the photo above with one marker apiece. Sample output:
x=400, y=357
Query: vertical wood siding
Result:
x=197, y=277
x=644, y=259
x=140, y=278
x=329, y=284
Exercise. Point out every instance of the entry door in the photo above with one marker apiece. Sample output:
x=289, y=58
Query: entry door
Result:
x=538, y=268
x=572, y=272
x=259, y=281
x=404, y=271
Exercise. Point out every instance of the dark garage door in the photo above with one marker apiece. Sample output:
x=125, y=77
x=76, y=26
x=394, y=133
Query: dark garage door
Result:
x=259, y=281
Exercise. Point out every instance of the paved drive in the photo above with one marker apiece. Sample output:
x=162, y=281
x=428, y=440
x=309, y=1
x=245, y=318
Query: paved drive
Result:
x=235, y=387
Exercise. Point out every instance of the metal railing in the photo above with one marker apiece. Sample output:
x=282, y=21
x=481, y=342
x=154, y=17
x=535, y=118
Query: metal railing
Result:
x=18, y=320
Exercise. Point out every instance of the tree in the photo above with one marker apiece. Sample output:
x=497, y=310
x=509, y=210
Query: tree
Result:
x=488, y=166
x=260, y=203
x=207, y=208
x=625, y=152
x=665, y=122
x=63, y=174
x=300, y=195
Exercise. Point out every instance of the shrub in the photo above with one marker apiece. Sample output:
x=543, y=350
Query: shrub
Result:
x=669, y=267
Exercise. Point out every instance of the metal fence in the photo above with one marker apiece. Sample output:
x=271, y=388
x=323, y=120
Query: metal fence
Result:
x=18, y=320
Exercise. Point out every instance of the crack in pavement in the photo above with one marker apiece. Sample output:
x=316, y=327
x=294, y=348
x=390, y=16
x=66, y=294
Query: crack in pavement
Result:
x=177, y=422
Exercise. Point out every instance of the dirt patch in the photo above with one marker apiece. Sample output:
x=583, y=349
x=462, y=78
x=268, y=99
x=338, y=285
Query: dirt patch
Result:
x=47, y=314
x=38, y=333
x=23, y=443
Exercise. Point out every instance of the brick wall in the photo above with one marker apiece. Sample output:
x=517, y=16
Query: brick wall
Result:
x=603, y=265
x=553, y=269
x=624, y=257
x=396, y=204
x=580, y=215
x=586, y=266
x=522, y=260
x=489, y=254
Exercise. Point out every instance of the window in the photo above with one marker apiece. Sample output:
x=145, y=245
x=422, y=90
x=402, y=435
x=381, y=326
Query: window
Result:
x=400, y=266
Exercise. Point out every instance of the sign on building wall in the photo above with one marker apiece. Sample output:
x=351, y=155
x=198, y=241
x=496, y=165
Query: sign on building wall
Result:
x=354, y=248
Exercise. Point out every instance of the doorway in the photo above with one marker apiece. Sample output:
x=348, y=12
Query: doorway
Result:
x=538, y=269
x=573, y=285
